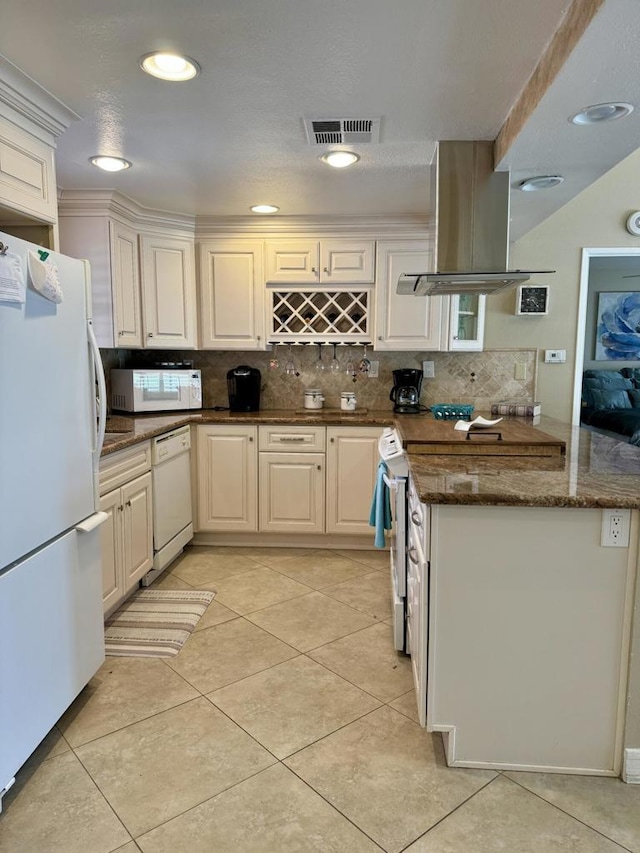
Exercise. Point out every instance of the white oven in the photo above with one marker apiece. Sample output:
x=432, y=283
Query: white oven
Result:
x=391, y=452
x=155, y=390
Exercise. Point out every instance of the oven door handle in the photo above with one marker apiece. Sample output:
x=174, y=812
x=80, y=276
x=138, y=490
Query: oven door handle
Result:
x=392, y=484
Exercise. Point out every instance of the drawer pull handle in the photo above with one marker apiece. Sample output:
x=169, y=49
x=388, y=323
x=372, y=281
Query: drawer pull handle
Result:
x=416, y=518
x=250, y=438
x=319, y=467
x=411, y=552
x=291, y=438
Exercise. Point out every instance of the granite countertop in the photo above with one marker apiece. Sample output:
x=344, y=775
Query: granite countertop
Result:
x=141, y=427
x=597, y=471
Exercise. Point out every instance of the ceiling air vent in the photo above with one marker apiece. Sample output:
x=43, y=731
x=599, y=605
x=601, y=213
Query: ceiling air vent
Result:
x=339, y=131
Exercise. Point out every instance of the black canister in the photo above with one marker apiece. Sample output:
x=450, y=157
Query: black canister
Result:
x=243, y=384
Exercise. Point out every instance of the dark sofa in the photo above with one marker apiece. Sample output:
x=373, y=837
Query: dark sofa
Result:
x=611, y=402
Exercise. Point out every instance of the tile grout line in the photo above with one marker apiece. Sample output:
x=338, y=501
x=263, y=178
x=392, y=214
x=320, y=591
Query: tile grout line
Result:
x=333, y=806
x=453, y=811
x=568, y=814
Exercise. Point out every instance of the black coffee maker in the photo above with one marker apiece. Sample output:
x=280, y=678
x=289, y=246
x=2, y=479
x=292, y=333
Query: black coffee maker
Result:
x=405, y=393
x=243, y=384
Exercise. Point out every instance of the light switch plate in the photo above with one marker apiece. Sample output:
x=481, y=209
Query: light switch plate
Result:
x=520, y=371
x=374, y=367
x=428, y=369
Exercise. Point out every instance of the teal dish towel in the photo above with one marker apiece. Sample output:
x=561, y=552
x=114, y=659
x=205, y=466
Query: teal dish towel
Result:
x=380, y=516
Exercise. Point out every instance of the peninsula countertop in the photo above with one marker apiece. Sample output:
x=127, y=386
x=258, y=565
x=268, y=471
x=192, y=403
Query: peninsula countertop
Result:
x=596, y=471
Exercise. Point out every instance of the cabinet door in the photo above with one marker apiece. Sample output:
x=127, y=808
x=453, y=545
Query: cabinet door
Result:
x=293, y=261
x=347, y=262
x=406, y=322
x=137, y=530
x=232, y=295
x=227, y=478
x=292, y=492
x=168, y=292
x=352, y=462
x=125, y=283
x=466, y=324
x=111, y=542
x=27, y=173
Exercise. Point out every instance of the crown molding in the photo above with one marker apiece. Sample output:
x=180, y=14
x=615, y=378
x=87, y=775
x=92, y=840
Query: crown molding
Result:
x=47, y=117
x=381, y=226
x=113, y=203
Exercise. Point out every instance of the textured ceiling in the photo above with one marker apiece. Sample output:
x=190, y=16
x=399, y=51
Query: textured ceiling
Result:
x=432, y=69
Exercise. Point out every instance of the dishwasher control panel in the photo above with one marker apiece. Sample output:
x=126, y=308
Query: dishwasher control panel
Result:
x=170, y=444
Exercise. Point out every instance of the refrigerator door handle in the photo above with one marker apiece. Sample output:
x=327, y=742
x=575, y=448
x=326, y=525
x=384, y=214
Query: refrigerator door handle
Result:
x=92, y=522
x=102, y=396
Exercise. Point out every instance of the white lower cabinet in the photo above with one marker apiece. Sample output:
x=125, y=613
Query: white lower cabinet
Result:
x=352, y=462
x=127, y=535
x=227, y=473
x=291, y=485
x=291, y=492
x=418, y=606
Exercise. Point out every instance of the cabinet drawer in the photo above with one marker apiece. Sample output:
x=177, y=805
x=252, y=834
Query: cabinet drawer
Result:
x=291, y=439
x=120, y=467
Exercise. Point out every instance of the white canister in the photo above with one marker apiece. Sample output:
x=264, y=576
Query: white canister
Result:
x=348, y=401
x=313, y=398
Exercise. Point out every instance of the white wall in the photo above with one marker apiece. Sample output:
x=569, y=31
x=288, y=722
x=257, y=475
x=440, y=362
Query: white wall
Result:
x=594, y=219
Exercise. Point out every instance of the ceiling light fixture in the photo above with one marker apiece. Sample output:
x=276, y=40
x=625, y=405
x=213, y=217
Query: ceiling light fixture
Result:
x=540, y=182
x=110, y=164
x=264, y=208
x=340, y=159
x=600, y=113
x=169, y=66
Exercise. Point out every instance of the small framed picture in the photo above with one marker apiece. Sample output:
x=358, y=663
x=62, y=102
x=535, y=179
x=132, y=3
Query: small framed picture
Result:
x=532, y=300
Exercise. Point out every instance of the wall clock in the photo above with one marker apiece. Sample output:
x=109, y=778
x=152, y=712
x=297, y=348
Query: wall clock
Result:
x=532, y=300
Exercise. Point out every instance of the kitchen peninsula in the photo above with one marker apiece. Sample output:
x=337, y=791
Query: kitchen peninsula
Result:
x=528, y=618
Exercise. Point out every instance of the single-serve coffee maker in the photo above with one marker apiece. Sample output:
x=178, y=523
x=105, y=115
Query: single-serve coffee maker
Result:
x=243, y=384
x=405, y=393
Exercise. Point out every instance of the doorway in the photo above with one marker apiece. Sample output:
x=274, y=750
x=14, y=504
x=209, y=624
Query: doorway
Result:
x=602, y=270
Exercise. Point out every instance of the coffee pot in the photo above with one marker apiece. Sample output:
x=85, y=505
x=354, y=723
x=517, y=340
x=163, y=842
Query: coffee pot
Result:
x=405, y=394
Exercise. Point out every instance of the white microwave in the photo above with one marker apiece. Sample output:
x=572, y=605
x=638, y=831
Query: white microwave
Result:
x=155, y=390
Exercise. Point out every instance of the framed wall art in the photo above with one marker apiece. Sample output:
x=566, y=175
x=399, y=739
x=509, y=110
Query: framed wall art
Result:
x=618, y=327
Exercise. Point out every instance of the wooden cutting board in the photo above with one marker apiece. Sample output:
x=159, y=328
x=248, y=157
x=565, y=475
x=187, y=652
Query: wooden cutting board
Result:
x=511, y=437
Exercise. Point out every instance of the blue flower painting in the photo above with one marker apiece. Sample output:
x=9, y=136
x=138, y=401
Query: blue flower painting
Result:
x=618, y=333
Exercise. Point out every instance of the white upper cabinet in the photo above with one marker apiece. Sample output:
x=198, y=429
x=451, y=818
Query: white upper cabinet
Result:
x=125, y=286
x=232, y=295
x=320, y=261
x=466, y=322
x=27, y=173
x=406, y=322
x=142, y=284
x=169, y=292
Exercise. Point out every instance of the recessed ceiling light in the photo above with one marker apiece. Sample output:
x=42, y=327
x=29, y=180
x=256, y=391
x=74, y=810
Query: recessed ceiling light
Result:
x=110, y=164
x=264, y=208
x=169, y=66
x=540, y=182
x=340, y=159
x=599, y=113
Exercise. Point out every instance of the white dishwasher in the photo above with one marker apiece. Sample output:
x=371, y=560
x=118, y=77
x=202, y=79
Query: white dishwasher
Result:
x=172, y=514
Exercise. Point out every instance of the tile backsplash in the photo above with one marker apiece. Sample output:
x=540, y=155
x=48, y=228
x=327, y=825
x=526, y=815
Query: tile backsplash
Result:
x=478, y=378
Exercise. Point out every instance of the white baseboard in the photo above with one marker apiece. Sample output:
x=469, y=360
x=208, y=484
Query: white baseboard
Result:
x=631, y=766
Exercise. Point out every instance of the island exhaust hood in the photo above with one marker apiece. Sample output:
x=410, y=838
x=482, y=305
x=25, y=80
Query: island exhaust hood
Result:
x=471, y=202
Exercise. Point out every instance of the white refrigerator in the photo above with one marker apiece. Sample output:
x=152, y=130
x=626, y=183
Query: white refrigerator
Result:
x=52, y=399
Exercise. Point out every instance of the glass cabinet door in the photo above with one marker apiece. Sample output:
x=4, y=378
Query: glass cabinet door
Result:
x=466, y=321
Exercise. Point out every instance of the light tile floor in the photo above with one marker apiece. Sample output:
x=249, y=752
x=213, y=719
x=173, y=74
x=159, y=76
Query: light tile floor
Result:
x=286, y=724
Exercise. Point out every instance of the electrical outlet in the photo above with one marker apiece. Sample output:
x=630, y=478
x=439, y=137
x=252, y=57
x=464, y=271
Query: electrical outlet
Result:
x=428, y=369
x=615, y=528
x=374, y=367
x=520, y=371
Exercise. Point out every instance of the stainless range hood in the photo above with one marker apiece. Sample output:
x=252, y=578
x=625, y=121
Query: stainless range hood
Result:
x=471, y=202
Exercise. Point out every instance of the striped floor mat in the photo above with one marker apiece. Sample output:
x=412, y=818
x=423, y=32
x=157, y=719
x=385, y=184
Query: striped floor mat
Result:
x=155, y=622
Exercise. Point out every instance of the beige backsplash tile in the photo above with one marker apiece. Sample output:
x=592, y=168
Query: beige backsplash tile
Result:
x=478, y=378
